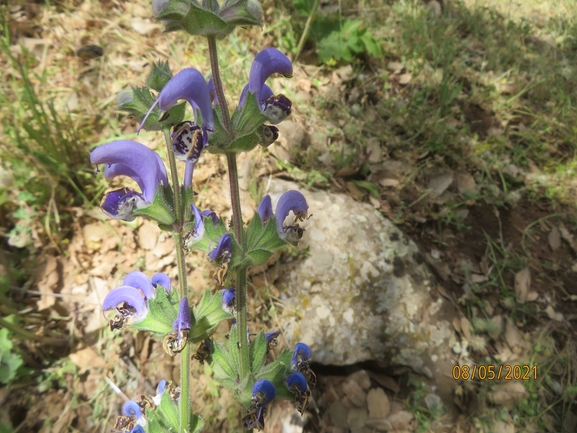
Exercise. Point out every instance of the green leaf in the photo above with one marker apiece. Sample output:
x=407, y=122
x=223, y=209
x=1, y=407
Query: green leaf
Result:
x=247, y=119
x=208, y=315
x=257, y=352
x=370, y=187
x=161, y=209
x=276, y=372
x=224, y=367
x=162, y=312
x=159, y=75
x=262, y=240
x=140, y=102
x=194, y=19
x=212, y=233
x=9, y=362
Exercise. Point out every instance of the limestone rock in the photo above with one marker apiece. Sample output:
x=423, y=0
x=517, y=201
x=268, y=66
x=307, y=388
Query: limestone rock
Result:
x=364, y=291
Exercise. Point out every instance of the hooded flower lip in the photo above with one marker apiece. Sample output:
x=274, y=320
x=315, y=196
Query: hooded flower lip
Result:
x=263, y=392
x=301, y=353
x=183, y=320
x=188, y=84
x=296, y=382
x=291, y=201
x=222, y=253
x=264, y=209
x=131, y=408
x=140, y=281
x=128, y=302
x=129, y=158
x=266, y=63
x=162, y=279
x=271, y=339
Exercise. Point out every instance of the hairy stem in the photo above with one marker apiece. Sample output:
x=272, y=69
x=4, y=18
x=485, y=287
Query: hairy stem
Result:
x=186, y=398
x=237, y=223
x=212, y=50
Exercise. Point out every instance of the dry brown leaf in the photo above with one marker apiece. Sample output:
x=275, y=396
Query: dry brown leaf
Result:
x=48, y=283
x=87, y=358
x=405, y=78
x=507, y=394
x=439, y=184
x=522, y=285
x=378, y=403
x=512, y=334
x=554, y=238
x=553, y=315
x=466, y=327
x=498, y=320
x=395, y=66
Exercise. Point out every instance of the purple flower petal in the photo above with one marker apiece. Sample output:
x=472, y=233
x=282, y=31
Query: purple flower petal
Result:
x=213, y=216
x=140, y=281
x=265, y=93
x=266, y=63
x=161, y=279
x=159, y=391
x=263, y=391
x=264, y=209
x=183, y=320
x=188, y=84
x=188, y=172
x=222, y=253
x=135, y=159
x=290, y=201
x=128, y=295
x=198, y=231
x=131, y=408
x=229, y=298
x=120, y=204
x=302, y=352
x=296, y=381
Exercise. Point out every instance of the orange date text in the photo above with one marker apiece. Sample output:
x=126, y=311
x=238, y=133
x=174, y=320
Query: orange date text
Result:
x=494, y=372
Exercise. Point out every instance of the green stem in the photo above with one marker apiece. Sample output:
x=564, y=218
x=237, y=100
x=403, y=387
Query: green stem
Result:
x=185, y=402
x=306, y=31
x=175, y=183
x=237, y=223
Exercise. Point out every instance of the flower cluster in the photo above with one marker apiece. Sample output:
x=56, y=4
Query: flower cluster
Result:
x=130, y=300
x=172, y=316
x=298, y=382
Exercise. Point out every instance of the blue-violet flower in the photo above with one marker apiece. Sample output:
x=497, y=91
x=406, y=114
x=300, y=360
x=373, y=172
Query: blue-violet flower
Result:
x=267, y=62
x=132, y=159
